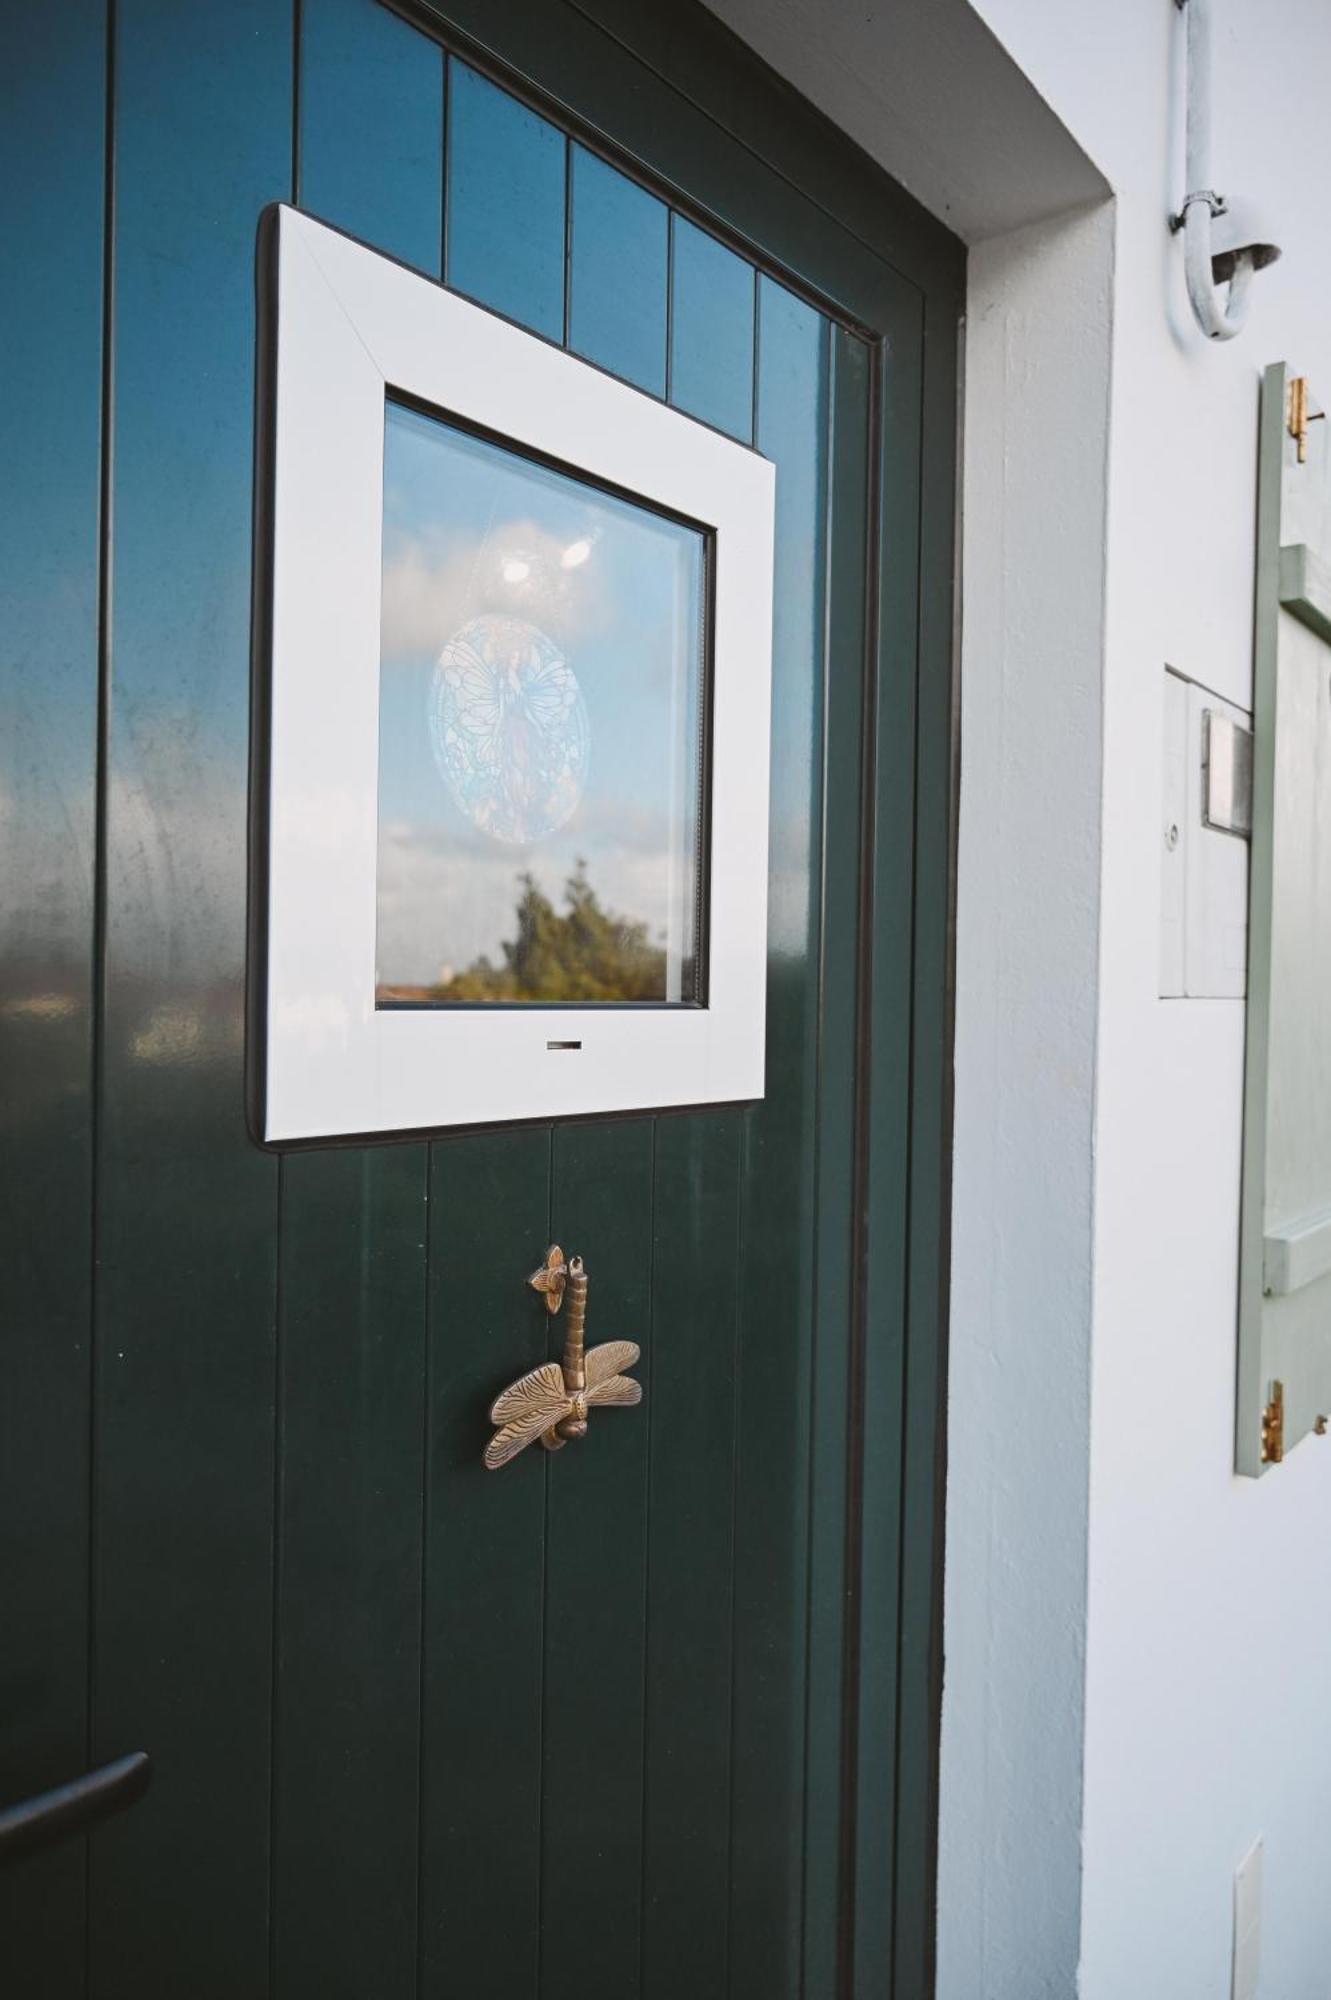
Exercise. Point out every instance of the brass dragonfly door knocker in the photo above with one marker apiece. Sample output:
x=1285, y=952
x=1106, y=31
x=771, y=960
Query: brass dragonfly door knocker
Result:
x=552, y=1402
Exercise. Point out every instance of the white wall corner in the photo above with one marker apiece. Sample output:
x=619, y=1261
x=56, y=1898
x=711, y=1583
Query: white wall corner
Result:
x=1035, y=501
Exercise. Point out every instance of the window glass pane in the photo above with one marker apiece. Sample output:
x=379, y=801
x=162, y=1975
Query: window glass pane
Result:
x=541, y=721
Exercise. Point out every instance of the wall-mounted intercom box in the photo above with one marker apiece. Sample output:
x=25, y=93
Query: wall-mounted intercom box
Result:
x=1206, y=822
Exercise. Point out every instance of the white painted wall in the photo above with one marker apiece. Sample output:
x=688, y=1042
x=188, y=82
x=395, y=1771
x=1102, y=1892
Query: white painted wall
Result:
x=1035, y=465
x=1091, y=1849
x=1209, y=1611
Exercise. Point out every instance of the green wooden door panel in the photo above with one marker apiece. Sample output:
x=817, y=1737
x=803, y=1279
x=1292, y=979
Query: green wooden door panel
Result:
x=370, y=100
x=711, y=323
x=654, y=1714
x=862, y=245
x=923, y=1195
x=830, y=1415
x=879, y=1358
x=618, y=272
x=776, y=1266
x=596, y=1531
x=507, y=181
x=346, y=1718
x=689, y=1683
x=186, y=1205
x=52, y=152
x=481, y=1682
x=353, y=1259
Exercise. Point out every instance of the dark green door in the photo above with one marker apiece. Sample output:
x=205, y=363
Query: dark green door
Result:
x=655, y=1716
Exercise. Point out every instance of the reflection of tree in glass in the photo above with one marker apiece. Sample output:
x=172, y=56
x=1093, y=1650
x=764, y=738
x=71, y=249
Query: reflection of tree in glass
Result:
x=585, y=953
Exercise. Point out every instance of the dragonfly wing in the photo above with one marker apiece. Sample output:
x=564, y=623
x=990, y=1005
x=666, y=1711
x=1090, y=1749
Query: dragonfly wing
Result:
x=515, y=1437
x=611, y=1358
x=537, y=1389
x=620, y=1390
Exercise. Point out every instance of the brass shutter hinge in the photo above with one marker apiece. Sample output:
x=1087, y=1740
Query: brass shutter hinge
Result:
x=1299, y=416
x=1273, y=1426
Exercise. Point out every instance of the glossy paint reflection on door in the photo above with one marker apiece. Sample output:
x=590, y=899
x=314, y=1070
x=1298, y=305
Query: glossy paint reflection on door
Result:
x=505, y=193
x=619, y=258
x=351, y=1336
x=371, y=128
x=712, y=322
x=776, y=1286
x=52, y=160
x=186, y=1205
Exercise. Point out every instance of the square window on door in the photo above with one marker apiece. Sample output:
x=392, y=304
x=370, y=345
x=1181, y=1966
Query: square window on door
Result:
x=513, y=667
x=542, y=684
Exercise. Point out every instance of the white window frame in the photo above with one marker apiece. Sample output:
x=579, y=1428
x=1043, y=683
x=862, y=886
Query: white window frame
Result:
x=352, y=326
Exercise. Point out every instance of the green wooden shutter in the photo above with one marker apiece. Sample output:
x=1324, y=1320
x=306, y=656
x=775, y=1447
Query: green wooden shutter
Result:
x=1285, y=1281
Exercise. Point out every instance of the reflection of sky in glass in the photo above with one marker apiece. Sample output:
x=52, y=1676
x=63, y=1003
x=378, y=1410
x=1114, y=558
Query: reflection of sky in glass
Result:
x=538, y=717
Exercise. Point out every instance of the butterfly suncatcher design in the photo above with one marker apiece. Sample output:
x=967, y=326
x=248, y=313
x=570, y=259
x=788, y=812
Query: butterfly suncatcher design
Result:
x=510, y=729
x=552, y=1402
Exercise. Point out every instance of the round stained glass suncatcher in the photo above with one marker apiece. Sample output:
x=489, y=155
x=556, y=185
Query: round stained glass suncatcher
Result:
x=510, y=729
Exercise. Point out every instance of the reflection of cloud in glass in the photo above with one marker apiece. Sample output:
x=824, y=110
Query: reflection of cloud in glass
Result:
x=431, y=585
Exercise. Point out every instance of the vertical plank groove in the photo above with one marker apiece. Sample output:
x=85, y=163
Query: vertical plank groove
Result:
x=645, y=1780
x=353, y=1359
x=446, y=135
x=876, y=1553
x=485, y=1555
x=688, y=1654
x=297, y=23
x=596, y=1543
x=551, y=1353
x=847, y=693
x=780, y=1219
x=669, y=391
x=741, y=1182
x=274, y=1711
x=924, y=1439
x=422, y=1638
x=106, y=496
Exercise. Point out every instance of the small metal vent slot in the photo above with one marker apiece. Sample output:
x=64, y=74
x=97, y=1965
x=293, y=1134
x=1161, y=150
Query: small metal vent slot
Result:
x=563, y=1045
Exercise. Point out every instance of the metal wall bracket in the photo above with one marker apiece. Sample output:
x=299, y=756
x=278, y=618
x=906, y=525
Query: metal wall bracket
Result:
x=550, y=1278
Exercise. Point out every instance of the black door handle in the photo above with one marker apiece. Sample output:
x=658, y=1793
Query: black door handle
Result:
x=67, y=1810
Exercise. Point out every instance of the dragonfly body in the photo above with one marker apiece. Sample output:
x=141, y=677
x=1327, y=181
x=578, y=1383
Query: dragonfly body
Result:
x=552, y=1402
